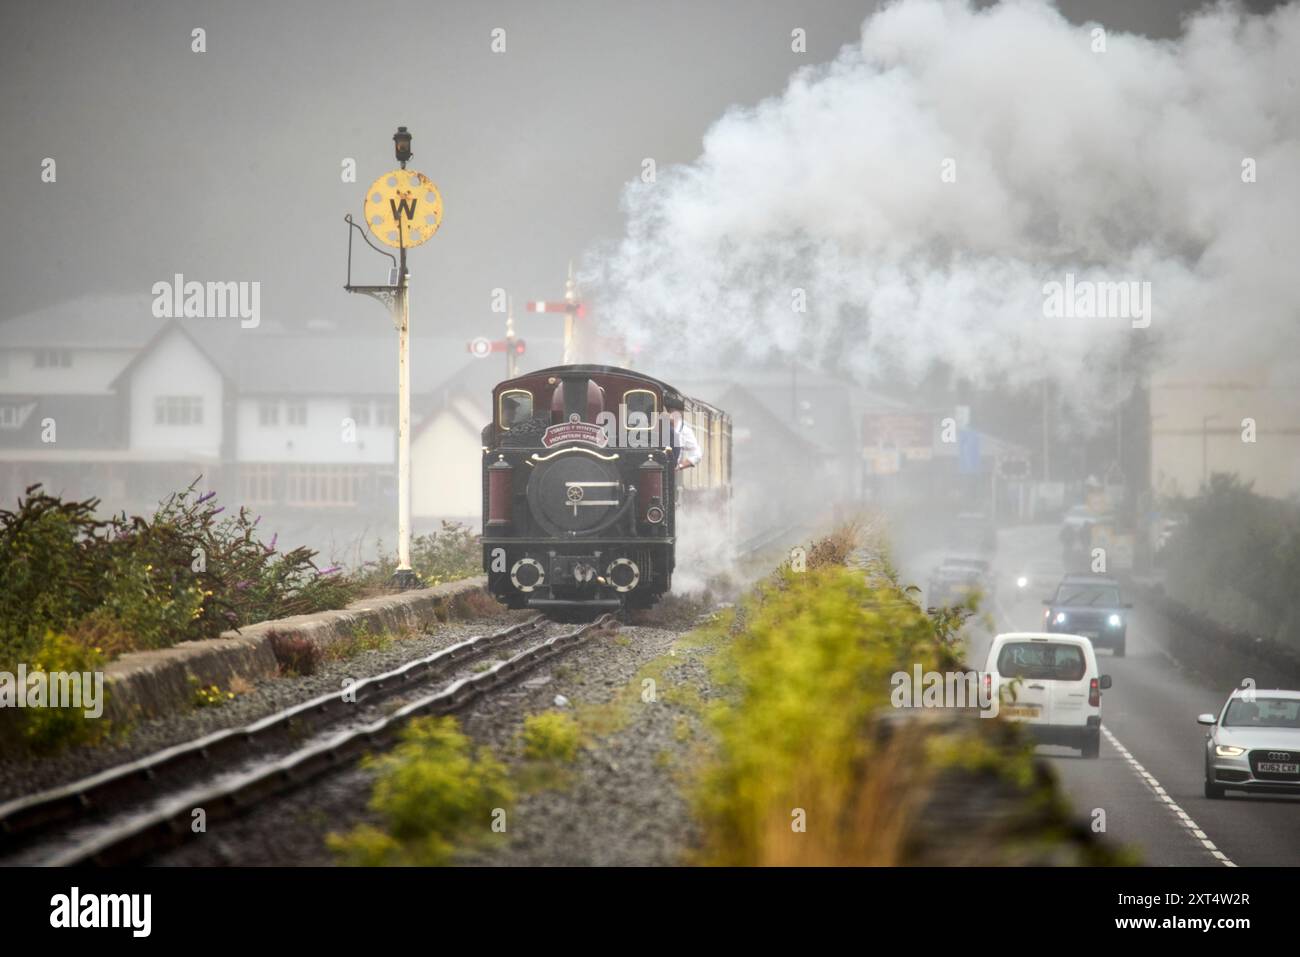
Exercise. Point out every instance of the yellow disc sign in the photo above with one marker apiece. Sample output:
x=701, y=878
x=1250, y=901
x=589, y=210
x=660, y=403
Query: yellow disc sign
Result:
x=403, y=208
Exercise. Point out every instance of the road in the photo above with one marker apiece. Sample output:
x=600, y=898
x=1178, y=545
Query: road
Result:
x=1148, y=779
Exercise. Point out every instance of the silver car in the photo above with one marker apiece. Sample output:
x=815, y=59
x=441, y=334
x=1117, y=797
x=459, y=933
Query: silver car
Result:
x=1254, y=743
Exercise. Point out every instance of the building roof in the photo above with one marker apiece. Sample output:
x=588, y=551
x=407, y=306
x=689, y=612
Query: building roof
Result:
x=90, y=322
x=269, y=359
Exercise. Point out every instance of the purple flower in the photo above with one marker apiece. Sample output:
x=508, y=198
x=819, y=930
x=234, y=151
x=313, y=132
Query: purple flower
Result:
x=331, y=570
x=218, y=511
x=204, y=497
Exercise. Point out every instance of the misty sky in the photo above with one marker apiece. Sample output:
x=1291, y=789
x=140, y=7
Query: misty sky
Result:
x=225, y=165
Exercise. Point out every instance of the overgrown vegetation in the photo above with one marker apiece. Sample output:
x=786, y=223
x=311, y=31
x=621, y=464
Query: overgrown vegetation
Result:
x=808, y=765
x=81, y=589
x=551, y=736
x=808, y=673
x=447, y=555
x=46, y=729
x=1237, y=560
x=433, y=792
x=126, y=583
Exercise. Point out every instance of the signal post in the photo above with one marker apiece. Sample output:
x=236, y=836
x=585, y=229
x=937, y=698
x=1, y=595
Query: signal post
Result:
x=403, y=209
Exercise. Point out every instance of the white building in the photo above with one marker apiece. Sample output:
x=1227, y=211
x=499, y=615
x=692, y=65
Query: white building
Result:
x=300, y=426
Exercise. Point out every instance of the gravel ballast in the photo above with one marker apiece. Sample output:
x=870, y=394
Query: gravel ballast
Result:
x=618, y=803
x=21, y=775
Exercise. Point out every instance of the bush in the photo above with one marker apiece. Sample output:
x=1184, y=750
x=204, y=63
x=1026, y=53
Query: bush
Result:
x=1238, y=558
x=122, y=583
x=432, y=793
x=807, y=675
x=46, y=729
x=142, y=607
x=551, y=736
x=296, y=655
x=451, y=554
x=52, y=568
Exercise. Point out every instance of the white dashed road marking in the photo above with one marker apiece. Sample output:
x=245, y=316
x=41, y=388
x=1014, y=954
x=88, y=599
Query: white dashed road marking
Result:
x=1184, y=819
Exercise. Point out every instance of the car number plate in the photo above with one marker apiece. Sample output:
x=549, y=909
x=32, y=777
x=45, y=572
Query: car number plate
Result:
x=1021, y=711
x=1275, y=767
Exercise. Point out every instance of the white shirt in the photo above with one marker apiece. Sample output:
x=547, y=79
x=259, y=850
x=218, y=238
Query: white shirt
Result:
x=686, y=441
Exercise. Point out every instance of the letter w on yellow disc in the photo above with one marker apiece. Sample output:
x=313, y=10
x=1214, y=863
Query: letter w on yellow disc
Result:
x=403, y=208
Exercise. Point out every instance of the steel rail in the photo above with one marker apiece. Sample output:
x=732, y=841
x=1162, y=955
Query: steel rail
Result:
x=169, y=824
x=23, y=818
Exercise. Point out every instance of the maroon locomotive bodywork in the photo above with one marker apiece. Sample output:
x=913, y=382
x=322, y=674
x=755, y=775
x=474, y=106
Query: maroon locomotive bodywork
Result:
x=579, y=492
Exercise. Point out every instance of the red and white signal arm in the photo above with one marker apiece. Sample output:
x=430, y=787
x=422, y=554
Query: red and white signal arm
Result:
x=480, y=347
x=579, y=309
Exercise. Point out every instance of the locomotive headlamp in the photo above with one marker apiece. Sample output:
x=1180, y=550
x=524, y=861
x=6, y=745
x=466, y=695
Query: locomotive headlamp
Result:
x=654, y=515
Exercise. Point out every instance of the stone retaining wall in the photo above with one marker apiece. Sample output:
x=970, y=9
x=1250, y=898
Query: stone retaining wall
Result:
x=152, y=683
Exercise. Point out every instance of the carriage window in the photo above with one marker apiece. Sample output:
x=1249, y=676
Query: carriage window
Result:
x=516, y=406
x=640, y=406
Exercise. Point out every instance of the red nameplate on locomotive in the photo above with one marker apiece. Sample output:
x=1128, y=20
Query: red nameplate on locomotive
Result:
x=575, y=431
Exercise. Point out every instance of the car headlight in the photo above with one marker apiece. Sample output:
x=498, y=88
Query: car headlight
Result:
x=1060, y=618
x=1228, y=750
x=1022, y=581
x=1114, y=621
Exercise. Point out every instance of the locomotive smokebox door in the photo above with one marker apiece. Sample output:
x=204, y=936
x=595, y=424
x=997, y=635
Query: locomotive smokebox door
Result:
x=572, y=494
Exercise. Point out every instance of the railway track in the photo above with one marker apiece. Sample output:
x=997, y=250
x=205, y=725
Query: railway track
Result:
x=755, y=544
x=130, y=811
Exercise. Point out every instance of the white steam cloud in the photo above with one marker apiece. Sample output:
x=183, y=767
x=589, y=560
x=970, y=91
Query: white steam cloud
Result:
x=1119, y=165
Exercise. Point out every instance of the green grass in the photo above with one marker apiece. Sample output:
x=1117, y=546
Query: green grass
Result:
x=551, y=736
x=433, y=793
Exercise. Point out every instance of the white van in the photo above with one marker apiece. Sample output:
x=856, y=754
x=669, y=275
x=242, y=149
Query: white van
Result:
x=1050, y=682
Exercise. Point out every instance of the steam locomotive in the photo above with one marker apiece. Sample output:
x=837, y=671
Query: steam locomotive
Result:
x=581, y=490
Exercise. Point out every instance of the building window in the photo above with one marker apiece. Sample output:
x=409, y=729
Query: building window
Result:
x=295, y=413
x=323, y=485
x=14, y=416
x=178, y=410
x=268, y=414
x=385, y=415
x=53, y=358
x=361, y=414
x=257, y=484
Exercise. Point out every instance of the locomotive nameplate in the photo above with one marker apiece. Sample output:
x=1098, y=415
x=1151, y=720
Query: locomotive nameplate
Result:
x=575, y=430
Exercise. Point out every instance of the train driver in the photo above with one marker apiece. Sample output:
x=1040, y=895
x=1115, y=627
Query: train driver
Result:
x=688, y=447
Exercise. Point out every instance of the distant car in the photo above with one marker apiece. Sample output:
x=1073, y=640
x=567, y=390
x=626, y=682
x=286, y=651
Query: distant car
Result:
x=1051, y=684
x=956, y=577
x=1253, y=743
x=1038, y=574
x=1091, y=606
